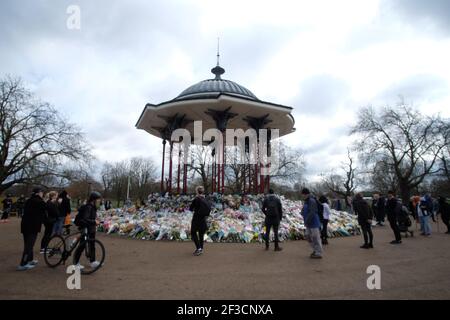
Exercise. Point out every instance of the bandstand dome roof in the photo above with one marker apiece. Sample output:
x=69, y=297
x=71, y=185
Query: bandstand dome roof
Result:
x=215, y=95
x=206, y=87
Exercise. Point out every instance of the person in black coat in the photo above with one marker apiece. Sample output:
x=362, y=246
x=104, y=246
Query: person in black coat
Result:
x=20, y=205
x=378, y=208
x=50, y=219
x=64, y=210
x=34, y=214
x=201, y=209
x=273, y=211
x=444, y=211
x=365, y=216
x=86, y=220
x=7, y=206
x=393, y=207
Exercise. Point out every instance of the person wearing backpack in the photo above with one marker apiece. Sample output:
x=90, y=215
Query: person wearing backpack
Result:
x=393, y=208
x=87, y=219
x=324, y=215
x=365, y=217
x=312, y=223
x=273, y=211
x=201, y=209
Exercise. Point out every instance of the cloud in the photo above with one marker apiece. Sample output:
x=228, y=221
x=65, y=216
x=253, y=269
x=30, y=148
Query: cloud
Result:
x=324, y=58
x=432, y=13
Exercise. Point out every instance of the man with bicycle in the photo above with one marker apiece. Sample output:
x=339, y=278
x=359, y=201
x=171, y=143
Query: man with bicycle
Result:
x=86, y=220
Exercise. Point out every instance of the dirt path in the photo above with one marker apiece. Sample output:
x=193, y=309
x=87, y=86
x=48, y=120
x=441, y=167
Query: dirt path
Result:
x=135, y=269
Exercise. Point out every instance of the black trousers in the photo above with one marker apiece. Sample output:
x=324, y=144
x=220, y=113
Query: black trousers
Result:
x=324, y=232
x=380, y=216
x=28, y=244
x=446, y=221
x=275, y=226
x=366, y=229
x=47, y=235
x=394, y=226
x=5, y=214
x=198, y=230
x=83, y=241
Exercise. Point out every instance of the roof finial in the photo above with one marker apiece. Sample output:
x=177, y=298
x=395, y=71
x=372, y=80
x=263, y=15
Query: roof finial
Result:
x=218, y=50
x=218, y=70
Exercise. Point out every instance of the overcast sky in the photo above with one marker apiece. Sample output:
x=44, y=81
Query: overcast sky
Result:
x=324, y=58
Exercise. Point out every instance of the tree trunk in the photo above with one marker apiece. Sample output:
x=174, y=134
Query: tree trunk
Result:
x=405, y=192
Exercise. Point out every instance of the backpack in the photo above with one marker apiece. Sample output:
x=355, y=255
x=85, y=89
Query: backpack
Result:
x=77, y=220
x=272, y=207
x=204, y=207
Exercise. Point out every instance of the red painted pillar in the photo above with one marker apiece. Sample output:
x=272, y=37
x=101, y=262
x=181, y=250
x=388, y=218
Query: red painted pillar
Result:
x=213, y=172
x=185, y=178
x=256, y=169
x=223, y=163
x=170, y=167
x=162, y=170
x=179, y=167
x=244, y=177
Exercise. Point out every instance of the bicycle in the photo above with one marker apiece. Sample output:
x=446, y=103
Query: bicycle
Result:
x=59, y=249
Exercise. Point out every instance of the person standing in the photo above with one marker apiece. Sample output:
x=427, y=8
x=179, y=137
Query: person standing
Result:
x=424, y=212
x=273, y=211
x=87, y=219
x=365, y=216
x=378, y=208
x=312, y=222
x=326, y=217
x=7, y=206
x=50, y=219
x=444, y=211
x=64, y=210
x=393, y=207
x=201, y=209
x=35, y=211
x=20, y=205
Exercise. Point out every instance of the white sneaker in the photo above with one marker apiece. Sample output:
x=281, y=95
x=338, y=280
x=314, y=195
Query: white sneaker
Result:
x=95, y=264
x=33, y=263
x=25, y=267
x=79, y=266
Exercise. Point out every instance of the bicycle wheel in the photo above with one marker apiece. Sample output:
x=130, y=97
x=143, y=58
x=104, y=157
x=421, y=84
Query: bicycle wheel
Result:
x=55, y=251
x=98, y=256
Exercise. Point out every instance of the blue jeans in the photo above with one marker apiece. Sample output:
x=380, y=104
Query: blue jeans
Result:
x=58, y=226
x=425, y=224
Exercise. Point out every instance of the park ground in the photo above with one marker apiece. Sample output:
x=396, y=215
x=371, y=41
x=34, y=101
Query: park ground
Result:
x=136, y=269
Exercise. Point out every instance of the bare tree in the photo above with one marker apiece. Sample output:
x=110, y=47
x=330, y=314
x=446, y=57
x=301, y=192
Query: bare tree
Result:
x=408, y=143
x=35, y=138
x=200, y=164
x=342, y=184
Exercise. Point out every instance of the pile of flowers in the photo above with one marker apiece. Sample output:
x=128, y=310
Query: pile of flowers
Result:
x=232, y=219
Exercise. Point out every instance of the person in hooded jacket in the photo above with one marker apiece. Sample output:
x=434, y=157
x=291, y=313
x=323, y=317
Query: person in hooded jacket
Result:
x=273, y=211
x=50, y=219
x=86, y=220
x=365, y=216
x=35, y=212
x=310, y=214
